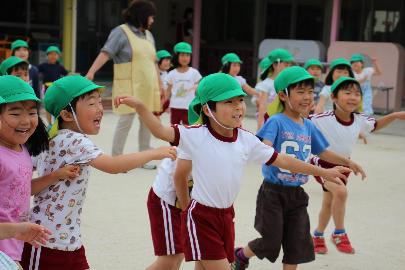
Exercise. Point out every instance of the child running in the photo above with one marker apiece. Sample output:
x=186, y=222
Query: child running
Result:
x=342, y=127
x=314, y=67
x=182, y=82
x=364, y=75
x=75, y=103
x=164, y=63
x=216, y=154
x=281, y=209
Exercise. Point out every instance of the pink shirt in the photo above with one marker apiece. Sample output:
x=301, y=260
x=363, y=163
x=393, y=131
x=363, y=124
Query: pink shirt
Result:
x=15, y=192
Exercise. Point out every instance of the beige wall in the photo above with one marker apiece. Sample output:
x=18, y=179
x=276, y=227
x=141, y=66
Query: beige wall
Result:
x=391, y=58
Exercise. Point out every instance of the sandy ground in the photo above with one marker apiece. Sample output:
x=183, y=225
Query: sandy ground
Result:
x=116, y=226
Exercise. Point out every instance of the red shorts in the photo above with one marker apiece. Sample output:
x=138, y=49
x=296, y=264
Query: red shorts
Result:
x=327, y=165
x=165, y=226
x=208, y=233
x=178, y=116
x=51, y=259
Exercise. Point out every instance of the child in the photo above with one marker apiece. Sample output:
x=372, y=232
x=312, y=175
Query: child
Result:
x=314, y=67
x=281, y=209
x=231, y=64
x=364, y=75
x=338, y=68
x=182, y=82
x=341, y=127
x=165, y=219
x=216, y=153
x=21, y=49
x=15, y=66
x=75, y=102
x=279, y=60
x=164, y=59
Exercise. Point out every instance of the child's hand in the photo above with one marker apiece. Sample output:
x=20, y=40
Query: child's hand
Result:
x=363, y=137
x=166, y=152
x=335, y=174
x=373, y=59
x=126, y=100
x=356, y=168
x=32, y=233
x=68, y=172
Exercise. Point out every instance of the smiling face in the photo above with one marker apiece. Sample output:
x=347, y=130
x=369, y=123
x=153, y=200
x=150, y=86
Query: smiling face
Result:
x=18, y=122
x=229, y=113
x=299, y=99
x=348, y=98
x=184, y=59
x=22, y=53
x=165, y=64
x=234, y=69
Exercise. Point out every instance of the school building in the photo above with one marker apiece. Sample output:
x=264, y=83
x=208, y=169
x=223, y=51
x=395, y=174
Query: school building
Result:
x=81, y=27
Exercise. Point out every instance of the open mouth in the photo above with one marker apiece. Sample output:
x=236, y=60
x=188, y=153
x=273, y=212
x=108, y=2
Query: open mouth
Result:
x=22, y=130
x=97, y=122
x=237, y=117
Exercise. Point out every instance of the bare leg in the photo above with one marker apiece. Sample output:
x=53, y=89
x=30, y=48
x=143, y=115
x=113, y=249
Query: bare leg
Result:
x=339, y=194
x=213, y=265
x=289, y=266
x=170, y=262
x=325, y=213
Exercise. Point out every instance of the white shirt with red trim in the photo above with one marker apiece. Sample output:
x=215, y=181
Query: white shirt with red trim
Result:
x=219, y=162
x=341, y=135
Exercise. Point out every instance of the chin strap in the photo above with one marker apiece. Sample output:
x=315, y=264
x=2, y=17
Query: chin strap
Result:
x=75, y=117
x=216, y=121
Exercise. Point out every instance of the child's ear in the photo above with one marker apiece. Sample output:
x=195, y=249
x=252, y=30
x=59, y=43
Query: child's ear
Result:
x=205, y=110
x=333, y=97
x=66, y=116
x=282, y=96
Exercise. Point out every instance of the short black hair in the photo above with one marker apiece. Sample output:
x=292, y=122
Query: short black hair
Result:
x=22, y=65
x=345, y=85
x=329, y=77
x=175, y=60
x=161, y=60
x=226, y=68
x=213, y=107
x=265, y=74
x=304, y=83
x=138, y=12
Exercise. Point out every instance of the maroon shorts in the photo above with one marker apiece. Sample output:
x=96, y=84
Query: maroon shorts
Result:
x=178, y=116
x=165, y=226
x=327, y=165
x=50, y=259
x=208, y=233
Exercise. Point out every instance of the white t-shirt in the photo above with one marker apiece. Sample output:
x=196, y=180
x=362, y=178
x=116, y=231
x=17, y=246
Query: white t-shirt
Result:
x=163, y=78
x=219, y=162
x=183, y=87
x=325, y=92
x=241, y=80
x=59, y=206
x=342, y=136
x=267, y=86
x=366, y=73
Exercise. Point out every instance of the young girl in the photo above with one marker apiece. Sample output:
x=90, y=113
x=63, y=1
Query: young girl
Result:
x=21, y=49
x=338, y=68
x=279, y=60
x=182, y=82
x=207, y=222
x=342, y=127
x=75, y=103
x=164, y=63
x=231, y=64
x=281, y=210
x=314, y=67
x=15, y=66
x=364, y=75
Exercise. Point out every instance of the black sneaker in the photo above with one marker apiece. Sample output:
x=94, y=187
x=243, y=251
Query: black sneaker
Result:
x=239, y=264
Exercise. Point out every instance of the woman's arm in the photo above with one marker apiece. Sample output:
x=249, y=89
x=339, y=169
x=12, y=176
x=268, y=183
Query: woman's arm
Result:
x=101, y=59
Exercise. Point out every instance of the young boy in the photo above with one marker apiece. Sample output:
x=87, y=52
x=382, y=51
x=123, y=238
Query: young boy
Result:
x=75, y=102
x=314, y=67
x=216, y=153
x=52, y=70
x=15, y=66
x=281, y=209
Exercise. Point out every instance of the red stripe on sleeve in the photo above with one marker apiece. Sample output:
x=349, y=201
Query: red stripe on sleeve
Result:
x=272, y=159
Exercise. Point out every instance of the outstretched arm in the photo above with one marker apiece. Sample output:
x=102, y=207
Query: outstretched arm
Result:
x=28, y=232
x=251, y=91
x=101, y=59
x=388, y=119
x=152, y=122
x=332, y=157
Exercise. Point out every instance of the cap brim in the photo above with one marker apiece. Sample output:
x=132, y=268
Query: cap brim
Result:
x=230, y=94
x=22, y=97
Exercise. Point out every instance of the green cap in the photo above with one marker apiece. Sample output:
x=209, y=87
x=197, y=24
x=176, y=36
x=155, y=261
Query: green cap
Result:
x=182, y=47
x=214, y=87
x=357, y=58
x=10, y=62
x=53, y=49
x=280, y=55
x=339, y=61
x=312, y=62
x=290, y=76
x=163, y=54
x=13, y=89
x=19, y=43
x=338, y=82
x=2, y=100
x=64, y=90
x=264, y=64
x=230, y=58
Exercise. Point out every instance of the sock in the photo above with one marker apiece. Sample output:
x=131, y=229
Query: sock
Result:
x=318, y=234
x=339, y=231
x=242, y=256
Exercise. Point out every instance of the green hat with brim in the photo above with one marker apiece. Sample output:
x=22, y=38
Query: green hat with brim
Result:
x=13, y=89
x=338, y=82
x=214, y=87
x=230, y=58
x=53, y=49
x=9, y=63
x=182, y=47
x=288, y=76
x=340, y=61
x=2, y=100
x=163, y=54
x=312, y=62
x=280, y=55
x=264, y=65
x=357, y=58
x=19, y=43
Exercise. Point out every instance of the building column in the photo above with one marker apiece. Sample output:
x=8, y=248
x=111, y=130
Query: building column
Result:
x=69, y=34
x=258, y=31
x=196, y=34
x=335, y=22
